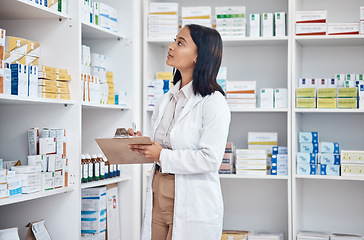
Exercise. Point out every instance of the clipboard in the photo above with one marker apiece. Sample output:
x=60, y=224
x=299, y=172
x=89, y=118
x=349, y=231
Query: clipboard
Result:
x=117, y=149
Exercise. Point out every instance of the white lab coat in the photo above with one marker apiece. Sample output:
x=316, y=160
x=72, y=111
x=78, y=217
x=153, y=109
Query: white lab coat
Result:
x=198, y=140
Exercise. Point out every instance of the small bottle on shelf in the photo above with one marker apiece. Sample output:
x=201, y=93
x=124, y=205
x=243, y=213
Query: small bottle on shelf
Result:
x=96, y=168
x=102, y=167
x=90, y=167
x=107, y=168
x=84, y=167
x=115, y=170
x=118, y=167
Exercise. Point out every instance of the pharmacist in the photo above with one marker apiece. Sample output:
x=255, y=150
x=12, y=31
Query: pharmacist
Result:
x=190, y=128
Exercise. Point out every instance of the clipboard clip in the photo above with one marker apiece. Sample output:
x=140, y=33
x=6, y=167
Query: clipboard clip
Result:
x=121, y=133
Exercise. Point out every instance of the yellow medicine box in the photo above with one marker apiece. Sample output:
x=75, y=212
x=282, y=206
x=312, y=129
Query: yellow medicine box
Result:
x=234, y=235
x=327, y=93
x=63, y=96
x=63, y=77
x=48, y=95
x=347, y=103
x=47, y=83
x=47, y=89
x=347, y=92
x=43, y=68
x=47, y=75
x=306, y=92
x=16, y=45
x=305, y=102
x=326, y=102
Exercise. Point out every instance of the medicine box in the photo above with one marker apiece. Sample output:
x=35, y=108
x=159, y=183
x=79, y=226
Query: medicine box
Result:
x=305, y=102
x=306, y=92
x=266, y=98
x=303, y=29
x=19, y=79
x=281, y=172
x=346, y=92
x=254, y=23
x=267, y=25
x=308, y=137
x=26, y=169
x=279, y=150
x=314, y=17
x=306, y=158
x=328, y=158
x=280, y=98
x=362, y=13
x=31, y=189
x=280, y=24
x=326, y=103
x=40, y=160
x=309, y=147
x=329, y=147
x=306, y=169
x=48, y=180
x=352, y=170
x=343, y=29
x=47, y=146
x=361, y=27
x=327, y=93
x=330, y=170
x=347, y=103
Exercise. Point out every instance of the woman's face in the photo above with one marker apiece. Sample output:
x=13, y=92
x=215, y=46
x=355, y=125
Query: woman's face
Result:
x=182, y=52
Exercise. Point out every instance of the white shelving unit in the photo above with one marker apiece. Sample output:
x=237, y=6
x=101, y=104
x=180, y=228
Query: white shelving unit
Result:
x=60, y=37
x=245, y=59
x=324, y=203
x=104, y=182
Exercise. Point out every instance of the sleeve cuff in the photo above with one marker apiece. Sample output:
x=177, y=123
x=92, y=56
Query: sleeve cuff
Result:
x=163, y=160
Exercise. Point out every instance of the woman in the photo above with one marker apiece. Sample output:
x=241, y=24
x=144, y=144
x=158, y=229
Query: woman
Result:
x=190, y=128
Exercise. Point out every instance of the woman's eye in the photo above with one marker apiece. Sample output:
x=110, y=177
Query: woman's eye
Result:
x=179, y=43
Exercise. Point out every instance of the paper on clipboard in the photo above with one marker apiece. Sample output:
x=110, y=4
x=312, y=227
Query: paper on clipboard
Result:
x=117, y=149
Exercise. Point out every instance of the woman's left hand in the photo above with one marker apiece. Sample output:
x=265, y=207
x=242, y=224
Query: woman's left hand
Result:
x=152, y=152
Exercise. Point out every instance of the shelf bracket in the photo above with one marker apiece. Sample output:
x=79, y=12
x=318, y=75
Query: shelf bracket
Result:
x=65, y=105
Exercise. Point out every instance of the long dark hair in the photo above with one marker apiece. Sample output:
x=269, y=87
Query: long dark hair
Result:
x=209, y=56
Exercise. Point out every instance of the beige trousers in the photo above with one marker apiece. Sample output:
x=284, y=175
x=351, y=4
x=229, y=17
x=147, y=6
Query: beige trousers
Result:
x=163, y=206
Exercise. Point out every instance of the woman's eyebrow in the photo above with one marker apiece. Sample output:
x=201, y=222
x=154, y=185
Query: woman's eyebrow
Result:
x=182, y=39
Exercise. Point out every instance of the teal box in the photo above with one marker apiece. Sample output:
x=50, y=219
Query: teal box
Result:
x=330, y=170
x=306, y=169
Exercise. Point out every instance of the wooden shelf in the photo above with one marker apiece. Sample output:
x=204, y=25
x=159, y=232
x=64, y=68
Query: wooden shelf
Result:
x=25, y=9
x=104, y=182
x=32, y=196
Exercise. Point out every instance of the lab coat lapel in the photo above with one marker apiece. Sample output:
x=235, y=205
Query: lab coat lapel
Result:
x=191, y=103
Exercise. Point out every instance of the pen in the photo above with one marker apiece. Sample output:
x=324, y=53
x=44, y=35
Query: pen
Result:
x=133, y=126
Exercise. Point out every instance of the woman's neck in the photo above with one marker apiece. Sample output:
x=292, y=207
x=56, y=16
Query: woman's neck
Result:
x=186, y=78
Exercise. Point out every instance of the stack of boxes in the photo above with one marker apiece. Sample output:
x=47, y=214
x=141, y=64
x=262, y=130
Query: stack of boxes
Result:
x=279, y=161
x=93, y=211
x=5, y=72
x=96, y=85
x=311, y=23
x=55, y=5
x=231, y=22
x=30, y=178
x=273, y=98
x=263, y=140
x=227, y=166
x=99, y=14
x=352, y=163
x=338, y=92
x=251, y=162
x=10, y=183
x=163, y=20
x=317, y=158
x=159, y=86
x=196, y=15
x=267, y=24
x=111, y=88
x=21, y=51
x=53, y=83
x=48, y=150
x=241, y=94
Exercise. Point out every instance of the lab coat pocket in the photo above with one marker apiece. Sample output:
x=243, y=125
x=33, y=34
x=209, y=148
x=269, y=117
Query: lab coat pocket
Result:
x=202, y=202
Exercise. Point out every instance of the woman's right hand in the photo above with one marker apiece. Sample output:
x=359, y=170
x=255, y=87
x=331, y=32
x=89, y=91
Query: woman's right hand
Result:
x=131, y=132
